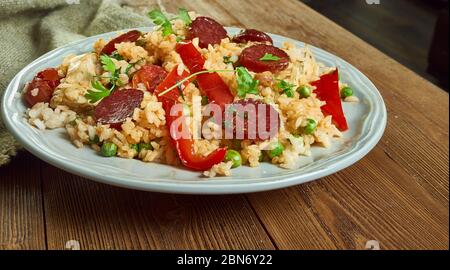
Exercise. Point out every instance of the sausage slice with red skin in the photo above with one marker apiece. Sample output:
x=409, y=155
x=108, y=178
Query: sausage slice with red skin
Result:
x=118, y=106
x=130, y=36
x=207, y=30
x=250, y=58
x=252, y=35
x=149, y=75
x=41, y=88
x=38, y=91
x=241, y=120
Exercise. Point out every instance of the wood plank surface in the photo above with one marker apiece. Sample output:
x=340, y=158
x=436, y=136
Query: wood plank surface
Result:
x=21, y=213
x=100, y=216
x=396, y=195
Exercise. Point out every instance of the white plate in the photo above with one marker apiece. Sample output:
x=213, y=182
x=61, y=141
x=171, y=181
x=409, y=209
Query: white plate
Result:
x=366, y=119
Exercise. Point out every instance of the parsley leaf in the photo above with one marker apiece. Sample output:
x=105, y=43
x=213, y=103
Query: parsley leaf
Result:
x=269, y=57
x=246, y=84
x=116, y=56
x=287, y=88
x=184, y=16
x=128, y=69
x=108, y=64
x=98, y=92
x=227, y=60
x=160, y=19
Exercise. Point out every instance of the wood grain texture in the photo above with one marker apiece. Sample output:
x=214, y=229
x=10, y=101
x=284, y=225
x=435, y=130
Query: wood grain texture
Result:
x=397, y=194
x=105, y=217
x=21, y=214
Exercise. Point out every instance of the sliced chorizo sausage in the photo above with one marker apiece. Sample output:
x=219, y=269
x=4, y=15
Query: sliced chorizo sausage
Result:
x=246, y=126
x=38, y=91
x=149, y=75
x=252, y=35
x=41, y=88
x=251, y=58
x=115, y=108
x=207, y=30
x=130, y=36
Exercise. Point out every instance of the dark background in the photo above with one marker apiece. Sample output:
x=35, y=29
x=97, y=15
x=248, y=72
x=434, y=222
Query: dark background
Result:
x=413, y=32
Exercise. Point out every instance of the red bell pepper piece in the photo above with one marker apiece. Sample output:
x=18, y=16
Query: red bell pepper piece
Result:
x=328, y=90
x=185, y=146
x=211, y=84
x=171, y=79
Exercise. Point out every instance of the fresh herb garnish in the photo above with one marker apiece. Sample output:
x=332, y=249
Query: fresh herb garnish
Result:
x=98, y=92
x=269, y=57
x=128, y=69
x=108, y=64
x=286, y=87
x=160, y=19
x=227, y=60
x=116, y=56
x=184, y=16
x=246, y=83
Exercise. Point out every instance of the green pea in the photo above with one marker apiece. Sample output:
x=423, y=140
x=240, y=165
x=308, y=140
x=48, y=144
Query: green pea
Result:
x=205, y=100
x=146, y=146
x=235, y=157
x=310, y=127
x=135, y=147
x=96, y=140
x=346, y=92
x=277, y=150
x=304, y=91
x=109, y=149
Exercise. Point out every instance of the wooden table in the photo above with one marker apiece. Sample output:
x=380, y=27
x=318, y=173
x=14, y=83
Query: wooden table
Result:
x=397, y=195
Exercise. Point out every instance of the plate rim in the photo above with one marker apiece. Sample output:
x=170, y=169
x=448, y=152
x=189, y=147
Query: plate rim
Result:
x=199, y=187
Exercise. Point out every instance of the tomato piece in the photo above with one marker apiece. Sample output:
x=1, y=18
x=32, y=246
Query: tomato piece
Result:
x=130, y=36
x=38, y=91
x=327, y=89
x=150, y=75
